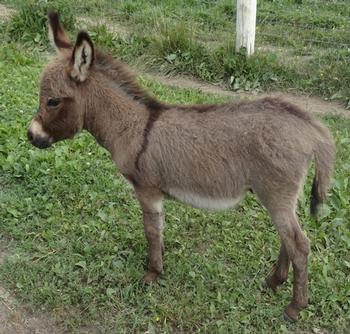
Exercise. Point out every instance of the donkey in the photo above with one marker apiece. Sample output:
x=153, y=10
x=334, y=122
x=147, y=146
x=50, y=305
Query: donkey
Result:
x=207, y=156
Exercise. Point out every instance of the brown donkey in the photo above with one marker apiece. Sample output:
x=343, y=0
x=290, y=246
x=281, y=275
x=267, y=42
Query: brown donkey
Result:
x=207, y=156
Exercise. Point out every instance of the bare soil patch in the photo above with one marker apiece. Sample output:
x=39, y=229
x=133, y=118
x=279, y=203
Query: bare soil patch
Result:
x=5, y=12
x=16, y=318
x=112, y=27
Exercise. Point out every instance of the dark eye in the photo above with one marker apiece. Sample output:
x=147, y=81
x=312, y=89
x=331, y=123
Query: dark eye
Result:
x=53, y=102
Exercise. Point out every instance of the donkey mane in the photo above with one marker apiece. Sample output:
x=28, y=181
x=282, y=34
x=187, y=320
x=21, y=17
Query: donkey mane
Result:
x=120, y=73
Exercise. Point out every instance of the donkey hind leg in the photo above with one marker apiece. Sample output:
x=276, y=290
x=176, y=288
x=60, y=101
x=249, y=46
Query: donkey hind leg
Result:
x=153, y=223
x=279, y=272
x=297, y=246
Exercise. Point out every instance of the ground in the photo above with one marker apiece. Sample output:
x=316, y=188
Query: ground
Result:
x=19, y=317
x=5, y=13
x=16, y=318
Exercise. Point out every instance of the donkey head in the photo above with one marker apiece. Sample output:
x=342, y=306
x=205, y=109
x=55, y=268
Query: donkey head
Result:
x=62, y=88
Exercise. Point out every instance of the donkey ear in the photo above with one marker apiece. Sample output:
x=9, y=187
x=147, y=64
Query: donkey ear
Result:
x=57, y=35
x=82, y=57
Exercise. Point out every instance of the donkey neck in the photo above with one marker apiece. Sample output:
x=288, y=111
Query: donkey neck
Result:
x=115, y=120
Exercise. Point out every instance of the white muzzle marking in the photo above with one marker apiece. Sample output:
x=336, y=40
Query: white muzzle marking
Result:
x=37, y=130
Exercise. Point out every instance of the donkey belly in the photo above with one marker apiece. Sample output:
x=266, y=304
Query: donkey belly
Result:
x=202, y=201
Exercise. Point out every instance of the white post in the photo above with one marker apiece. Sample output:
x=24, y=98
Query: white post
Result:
x=245, y=25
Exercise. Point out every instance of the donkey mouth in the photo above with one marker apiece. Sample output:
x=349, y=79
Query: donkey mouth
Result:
x=37, y=136
x=39, y=141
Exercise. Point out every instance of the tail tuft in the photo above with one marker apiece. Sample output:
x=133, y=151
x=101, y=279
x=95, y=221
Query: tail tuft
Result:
x=324, y=161
x=315, y=200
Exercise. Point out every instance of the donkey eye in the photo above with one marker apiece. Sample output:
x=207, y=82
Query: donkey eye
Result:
x=53, y=102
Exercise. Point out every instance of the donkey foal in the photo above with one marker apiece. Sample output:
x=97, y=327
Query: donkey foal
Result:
x=206, y=156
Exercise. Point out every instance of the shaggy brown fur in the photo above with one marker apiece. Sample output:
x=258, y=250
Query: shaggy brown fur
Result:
x=120, y=74
x=206, y=156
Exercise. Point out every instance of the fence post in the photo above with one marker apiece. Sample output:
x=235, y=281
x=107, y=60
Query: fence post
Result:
x=245, y=25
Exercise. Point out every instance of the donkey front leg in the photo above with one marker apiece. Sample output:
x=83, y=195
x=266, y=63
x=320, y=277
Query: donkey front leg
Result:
x=153, y=222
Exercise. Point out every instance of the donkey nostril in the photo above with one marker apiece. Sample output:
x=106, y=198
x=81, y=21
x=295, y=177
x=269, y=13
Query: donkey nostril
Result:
x=30, y=135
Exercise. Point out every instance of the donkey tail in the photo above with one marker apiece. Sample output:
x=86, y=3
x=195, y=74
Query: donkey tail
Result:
x=324, y=153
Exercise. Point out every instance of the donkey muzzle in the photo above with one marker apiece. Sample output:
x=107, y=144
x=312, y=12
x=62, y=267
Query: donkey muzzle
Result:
x=37, y=136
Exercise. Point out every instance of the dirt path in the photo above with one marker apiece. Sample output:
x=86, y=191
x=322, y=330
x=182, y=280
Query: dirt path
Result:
x=16, y=318
x=311, y=104
x=5, y=12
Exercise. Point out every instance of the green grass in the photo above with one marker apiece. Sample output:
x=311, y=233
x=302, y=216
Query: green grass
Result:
x=300, y=45
x=29, y=23
x=77, y=247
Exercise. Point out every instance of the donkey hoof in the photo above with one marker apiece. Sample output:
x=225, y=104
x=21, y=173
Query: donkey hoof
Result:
x=273, y=282
x=291, y=313
x=267, y=285
x=150, y=277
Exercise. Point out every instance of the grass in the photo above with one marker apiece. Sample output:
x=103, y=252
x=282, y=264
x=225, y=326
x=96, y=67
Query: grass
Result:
x=77, y=246
x=29, y=23
x=301, y=45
